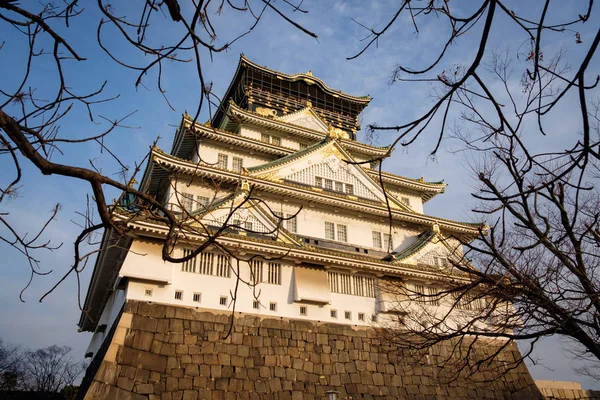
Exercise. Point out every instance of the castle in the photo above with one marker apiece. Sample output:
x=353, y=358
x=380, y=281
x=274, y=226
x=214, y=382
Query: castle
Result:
x=286, y=302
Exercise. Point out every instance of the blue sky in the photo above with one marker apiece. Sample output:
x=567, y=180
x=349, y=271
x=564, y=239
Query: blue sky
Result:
x=277, y=45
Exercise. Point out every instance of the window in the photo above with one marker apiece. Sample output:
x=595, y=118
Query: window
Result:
x=222, y=161
x=148, y=292
x=405, y=200
x=347, y=314
x=291, y=224
x=468, y=301
x=374, y=318
x=377, y=239
x=248, y=225
x=339, y=187
x=238, y=163
x=222, y=265
x=432, y=298
x=202, y=202
x=318, y=181
x=303, y=146
x=329, y=230
x=351, y=284
x=303, y=310
x=265, y=138
x=256, y=267
x=361, y=316
x=388, y=245
x=333, y=313
x=197, y=297
x=328, y=184
x=255, y=304
x=349, y=188
x=274, y=273
x=223, y=300
x=186, y=201
x=179, y=295
x=276, y=140
x=342, y=233
x=207, y=264
x=439, y=261
x=332, y=185
x=273, y=306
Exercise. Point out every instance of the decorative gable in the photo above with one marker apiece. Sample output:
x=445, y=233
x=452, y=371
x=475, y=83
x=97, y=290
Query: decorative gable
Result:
x=326, y=165
x=306, y=118
x=248, y=216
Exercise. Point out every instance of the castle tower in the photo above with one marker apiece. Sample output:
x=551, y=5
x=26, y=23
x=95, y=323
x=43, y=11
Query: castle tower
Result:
x=287, y=302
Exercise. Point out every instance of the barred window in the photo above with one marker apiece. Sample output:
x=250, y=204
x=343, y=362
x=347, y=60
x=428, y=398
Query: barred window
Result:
x=255, y=304
x=348, y=314
x=265, y=138
x=202, y=201
x=222, y=161
x=377, y=239
x=388, y=244
x=273, y=306
x=222, y=265
x=274, y=273
x=303, y=310
x=339, y=187
x=329, y=230
x=256, y=268
x=276, y=140
x=197, y=297
x=468, y=302
x=405, y=200
x=303, y=146
x=361, y=316
x=238, y=163
x=291, y=224
x=345, y=283
x=187, y=201
x=189, y=265
x=342, y=233
x=359, y=285
x=248, y=225
x=179, y=295
x=223, y=300
x=433, y=298
x=349, y=188
x=207, y=264
x=328, y=184
x=333, y=313
x=318, y=181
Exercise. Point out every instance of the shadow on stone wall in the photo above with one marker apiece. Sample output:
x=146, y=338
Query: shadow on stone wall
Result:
x=172, y=353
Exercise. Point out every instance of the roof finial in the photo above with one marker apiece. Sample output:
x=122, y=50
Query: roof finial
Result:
x=309, y=73
x=435, y=228
x=308, y=103
x=245, y=186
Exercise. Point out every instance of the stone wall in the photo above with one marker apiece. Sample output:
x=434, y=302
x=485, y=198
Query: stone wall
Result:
x=174, y=353
x=559, y=390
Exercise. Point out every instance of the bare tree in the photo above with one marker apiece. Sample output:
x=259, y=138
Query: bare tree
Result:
x=535, y=272
x=11, y=373
x=51, y=369
x=32, y=117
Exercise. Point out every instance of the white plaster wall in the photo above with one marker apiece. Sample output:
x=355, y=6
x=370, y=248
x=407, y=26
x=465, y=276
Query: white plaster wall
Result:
x=209, y=152
x=286, y=140
x=144, y=261
x=212, y=288
x=416, y=203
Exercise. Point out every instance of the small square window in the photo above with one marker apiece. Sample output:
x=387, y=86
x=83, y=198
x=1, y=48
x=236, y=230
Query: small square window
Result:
x=265, y=138
x=303, y=146
x=273, y=306
x=347, y=314
x=339, y=187
x=318, y=181
x=223, y=300
x=255, y=304
x=361, y=316
x=374, y=318
x=405, y=200
x=179, y=295
x=302, y=310
x=349, y=188
x=276, y=140
x=333, y=313
x=328, y=184
x=148, y=292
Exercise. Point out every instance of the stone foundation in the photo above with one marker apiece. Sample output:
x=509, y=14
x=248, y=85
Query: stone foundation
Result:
x=174, y=353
